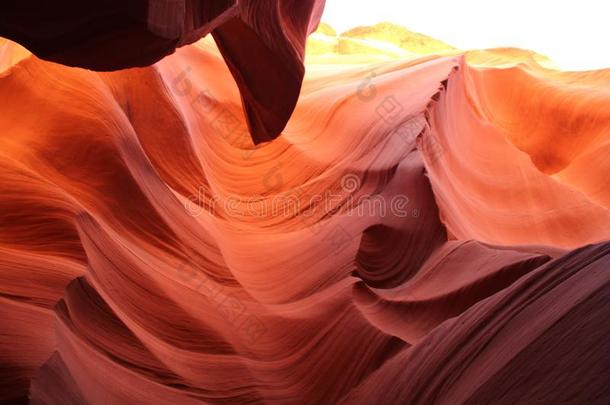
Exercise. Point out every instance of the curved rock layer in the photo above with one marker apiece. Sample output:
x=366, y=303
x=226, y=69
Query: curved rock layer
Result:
x=412, y=237
x=263, y=43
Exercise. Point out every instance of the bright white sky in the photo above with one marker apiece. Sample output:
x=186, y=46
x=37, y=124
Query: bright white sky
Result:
x=575, y=34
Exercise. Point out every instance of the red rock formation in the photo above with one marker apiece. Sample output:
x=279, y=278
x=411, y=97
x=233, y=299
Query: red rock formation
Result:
x=262, y=42
x=538, y=340
x=402, y=242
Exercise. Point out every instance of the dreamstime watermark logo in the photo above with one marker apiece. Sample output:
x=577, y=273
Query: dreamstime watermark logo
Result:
x=367, y=91
x=407, y=127
x=223, y=121
x=350, y=183
x=317, y=205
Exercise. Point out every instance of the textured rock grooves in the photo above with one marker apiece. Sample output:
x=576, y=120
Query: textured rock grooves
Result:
x=262, y=42
x=151, y=254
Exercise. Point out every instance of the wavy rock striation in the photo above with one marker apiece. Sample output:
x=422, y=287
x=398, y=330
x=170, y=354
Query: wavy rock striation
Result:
x=414, y=236
x=262, y=42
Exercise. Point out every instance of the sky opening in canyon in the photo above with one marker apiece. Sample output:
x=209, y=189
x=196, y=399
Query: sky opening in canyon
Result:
x=573, y=34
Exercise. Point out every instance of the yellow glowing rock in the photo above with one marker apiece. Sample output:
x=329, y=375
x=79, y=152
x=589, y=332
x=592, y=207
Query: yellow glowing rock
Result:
x=11, y=53
x=384, y=41
x=400, y=37
x=326, y=29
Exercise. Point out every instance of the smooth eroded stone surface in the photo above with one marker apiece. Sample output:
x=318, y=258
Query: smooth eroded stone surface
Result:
x=263, y=42
x=413, y=237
